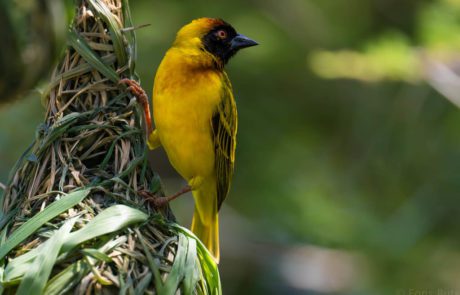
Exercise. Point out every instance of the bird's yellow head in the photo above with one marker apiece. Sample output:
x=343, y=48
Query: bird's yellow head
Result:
x=214, y=36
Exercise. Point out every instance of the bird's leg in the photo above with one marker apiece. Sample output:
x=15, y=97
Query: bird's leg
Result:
x=135, y=89
x=159, y=202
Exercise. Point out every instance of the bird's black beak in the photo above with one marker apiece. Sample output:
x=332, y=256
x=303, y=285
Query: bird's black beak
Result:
x=241, y=41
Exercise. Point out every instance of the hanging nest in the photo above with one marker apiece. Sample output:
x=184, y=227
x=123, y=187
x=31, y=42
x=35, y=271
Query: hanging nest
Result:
x=71, y=219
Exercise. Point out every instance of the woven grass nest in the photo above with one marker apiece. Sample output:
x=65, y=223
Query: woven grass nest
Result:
x=71, y=220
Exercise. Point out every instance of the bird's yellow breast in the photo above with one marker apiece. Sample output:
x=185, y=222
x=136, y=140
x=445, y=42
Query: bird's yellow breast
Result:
x=185, y=97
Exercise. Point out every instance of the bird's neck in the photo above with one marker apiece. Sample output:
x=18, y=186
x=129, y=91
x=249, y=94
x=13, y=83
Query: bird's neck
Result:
x=195, y=58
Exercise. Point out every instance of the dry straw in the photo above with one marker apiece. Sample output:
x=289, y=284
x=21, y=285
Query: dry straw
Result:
x=71, y=219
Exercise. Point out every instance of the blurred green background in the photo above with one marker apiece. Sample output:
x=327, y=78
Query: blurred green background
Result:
x=347, y=176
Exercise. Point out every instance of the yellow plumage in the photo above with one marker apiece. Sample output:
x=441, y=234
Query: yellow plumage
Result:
x=196, y=123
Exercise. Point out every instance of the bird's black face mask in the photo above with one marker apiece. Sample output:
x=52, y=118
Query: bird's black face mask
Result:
x=223, y=42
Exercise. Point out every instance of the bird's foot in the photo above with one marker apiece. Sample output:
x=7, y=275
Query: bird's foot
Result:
x=160, y=202
x=136, y=90
x=156, y=201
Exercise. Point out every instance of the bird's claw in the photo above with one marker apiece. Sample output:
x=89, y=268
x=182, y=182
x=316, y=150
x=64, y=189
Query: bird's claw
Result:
x=136, y=90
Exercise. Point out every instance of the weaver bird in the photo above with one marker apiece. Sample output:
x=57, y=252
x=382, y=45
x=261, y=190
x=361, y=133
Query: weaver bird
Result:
x=196, y=118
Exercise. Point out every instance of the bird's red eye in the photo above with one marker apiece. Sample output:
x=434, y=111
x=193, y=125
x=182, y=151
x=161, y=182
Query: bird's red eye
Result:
x=221, y=34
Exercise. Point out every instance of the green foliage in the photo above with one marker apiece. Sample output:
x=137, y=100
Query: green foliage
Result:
x=392, y=56
x=35, y=278
x=400, y=61
x=198, y=262
x=23, y=269
x=34, y=223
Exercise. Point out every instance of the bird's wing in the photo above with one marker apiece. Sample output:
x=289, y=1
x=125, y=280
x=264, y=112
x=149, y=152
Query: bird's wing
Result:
x=224, y=126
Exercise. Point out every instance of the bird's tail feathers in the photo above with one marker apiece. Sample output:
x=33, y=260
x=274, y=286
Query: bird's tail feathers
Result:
x=205, y=222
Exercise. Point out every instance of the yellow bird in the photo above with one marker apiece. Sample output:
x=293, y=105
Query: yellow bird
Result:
x=196, y=118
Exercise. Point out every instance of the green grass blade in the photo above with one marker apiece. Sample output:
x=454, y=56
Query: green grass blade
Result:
x=110, y=220
x=66, y=279
x=127, y=286
x=5, y=218
x=2, y=271
x=90, y=56
x=36, y=277
x=19, y=266
x=131, y=36
x=59, y=128
x=151, y=262
x=95, y=253
x=3, y=234
x=34, y=223
x=104, y=12
x=209, y=267
x=143, y=284
x=185, y=269
x=176, y=275
x=192, y=268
